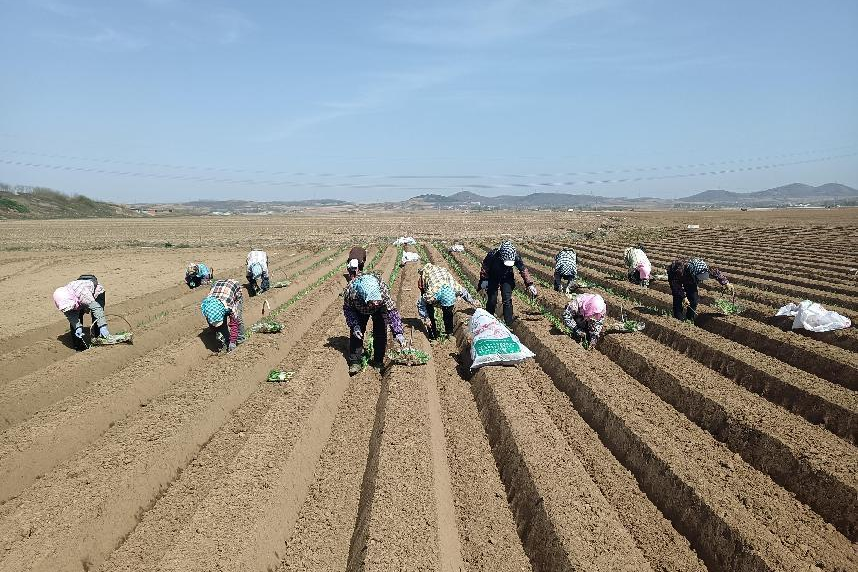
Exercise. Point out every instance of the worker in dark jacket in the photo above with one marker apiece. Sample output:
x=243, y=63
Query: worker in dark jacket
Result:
x=684, y=275
x=496, y=273
x=355, y=262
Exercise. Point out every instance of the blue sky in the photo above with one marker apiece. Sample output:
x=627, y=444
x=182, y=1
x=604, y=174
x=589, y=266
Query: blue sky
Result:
x=152, y=100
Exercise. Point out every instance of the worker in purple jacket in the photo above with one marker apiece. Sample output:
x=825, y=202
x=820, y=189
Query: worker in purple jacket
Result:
x=684, y=274
x=368, y=296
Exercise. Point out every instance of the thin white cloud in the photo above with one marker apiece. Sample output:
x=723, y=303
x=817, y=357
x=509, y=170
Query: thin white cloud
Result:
x=105, y=38
x=382, y=90
x=477, y=23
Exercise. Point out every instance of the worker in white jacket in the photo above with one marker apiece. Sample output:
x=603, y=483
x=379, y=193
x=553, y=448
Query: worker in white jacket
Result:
x=638, y=265
x=257, y=270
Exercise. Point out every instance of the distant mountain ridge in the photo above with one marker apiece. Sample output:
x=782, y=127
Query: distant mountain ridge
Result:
x=792, y=193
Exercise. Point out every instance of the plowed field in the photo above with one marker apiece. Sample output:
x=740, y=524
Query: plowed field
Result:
x=725, y=445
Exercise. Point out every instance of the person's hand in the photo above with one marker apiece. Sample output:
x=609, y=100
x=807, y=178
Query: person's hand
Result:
x=591, y=346
x=400, y=338
x=730, y=289
x=357, y=332
x=483, y=286
x=427, y=323
x=103, y=332
x=532, y=290
x=230, y=347
x=685, y=303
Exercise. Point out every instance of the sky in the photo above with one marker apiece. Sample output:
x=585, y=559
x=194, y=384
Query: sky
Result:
x=175, y=100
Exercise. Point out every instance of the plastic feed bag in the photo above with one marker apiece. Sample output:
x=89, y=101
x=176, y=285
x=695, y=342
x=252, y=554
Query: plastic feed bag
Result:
x=493, y=343
x=457, y=248
x=410, y=257
x=404, y=240
x=813, y=317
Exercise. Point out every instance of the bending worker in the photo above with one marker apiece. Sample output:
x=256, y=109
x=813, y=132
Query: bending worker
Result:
x=356, y=261
x=638, y=265
x=585, y=316
x=79, y=297
x=223, y=309
x=198, y=274
x=684, y=275
x=496, y=272
x=565, y=269
x=368, y=296
x=438, y=287
x=257, y=269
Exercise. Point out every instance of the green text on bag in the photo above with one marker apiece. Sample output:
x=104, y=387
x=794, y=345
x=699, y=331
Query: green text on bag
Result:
x=502, y=346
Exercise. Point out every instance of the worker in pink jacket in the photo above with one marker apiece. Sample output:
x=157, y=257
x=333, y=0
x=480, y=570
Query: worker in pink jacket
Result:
x=82, y=296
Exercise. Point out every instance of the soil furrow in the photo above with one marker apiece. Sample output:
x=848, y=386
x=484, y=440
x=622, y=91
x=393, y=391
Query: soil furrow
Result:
x=93, y=500
x=817, y=400
x=736, y=517
x=23, y=396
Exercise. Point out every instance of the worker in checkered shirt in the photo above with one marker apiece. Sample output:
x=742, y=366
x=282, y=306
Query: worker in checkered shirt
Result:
x=223, y=309
x=496, y=274
x=257, y=270
x=367, y=296
x=565, y=269
x=684, y=275
x=438, y=288
x=83, y=296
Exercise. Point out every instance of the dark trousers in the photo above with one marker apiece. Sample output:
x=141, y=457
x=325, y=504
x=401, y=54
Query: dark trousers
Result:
x=379, y=338
x=254, y=288
x=506, y=296
x=679, y=292
x=558, y=278
x=447, y=312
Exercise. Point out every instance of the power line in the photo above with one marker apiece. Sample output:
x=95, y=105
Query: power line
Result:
x=361, y=186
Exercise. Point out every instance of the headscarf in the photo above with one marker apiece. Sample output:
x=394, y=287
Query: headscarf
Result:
x=591, y=306
x=256, y=270
x=445, y=296
x=698, y=269
x=213, y=310
x=368, y=288
x=507, y=253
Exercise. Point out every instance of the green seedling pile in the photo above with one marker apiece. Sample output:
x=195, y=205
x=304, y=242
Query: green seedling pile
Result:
x=408, y=356
x=728, y=307
x=118, y=338
x=281, y=284
x=280, y=375
x=266, y=326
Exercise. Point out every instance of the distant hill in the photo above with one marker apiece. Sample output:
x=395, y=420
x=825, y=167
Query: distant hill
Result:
x=795, y=193
x=43, y=203
x=237, y=207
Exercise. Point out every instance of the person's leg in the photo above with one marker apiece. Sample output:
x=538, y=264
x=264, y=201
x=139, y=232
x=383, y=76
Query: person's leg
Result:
x=678, y=294
x=433, y=325
x=251, y=284
x=492, y=301
x=557, y=278
x=379, y=338
x=239, y=318
x=266, y=282
x=506, y=292
x=448, y=319
x=693, y=298
x=355, y=343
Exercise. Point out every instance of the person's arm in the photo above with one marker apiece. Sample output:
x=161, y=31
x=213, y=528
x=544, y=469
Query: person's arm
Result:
x=466, y=296
x=351, y=316
x=719, y=276
x=485, y=267
x=232, y=330
x=522, y=269
x=596, y=328
x=421, y=308
x=98, y=316
x=569, y=316
x=394, y=321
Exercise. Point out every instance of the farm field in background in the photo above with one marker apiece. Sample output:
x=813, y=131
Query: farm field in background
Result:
x=725, y=445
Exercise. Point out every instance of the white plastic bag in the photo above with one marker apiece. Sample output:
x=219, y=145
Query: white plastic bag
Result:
x=457, y=248
x=813, y=317
x=409, y=257
x=404, y=240
x=492, y=343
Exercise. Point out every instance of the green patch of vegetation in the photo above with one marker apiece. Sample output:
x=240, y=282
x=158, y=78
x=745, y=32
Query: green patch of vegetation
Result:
x=14, y=205
x=728, y=307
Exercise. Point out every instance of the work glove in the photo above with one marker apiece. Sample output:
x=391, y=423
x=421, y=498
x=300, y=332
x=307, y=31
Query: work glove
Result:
x=532, y=290
x=357, y=332
x=230, y=347
x=400, y=338
x=685, y=303
x=103, y=332
x=730, y=289
x=483, y=286
x=78, y=333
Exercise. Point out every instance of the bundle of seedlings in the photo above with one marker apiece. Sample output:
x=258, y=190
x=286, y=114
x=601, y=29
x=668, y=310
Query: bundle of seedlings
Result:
x=266, y=326
x=113, y=339
x=279, y=375
x=627, y=326
x=728, y=307
x=281, y=284
x=408, y=356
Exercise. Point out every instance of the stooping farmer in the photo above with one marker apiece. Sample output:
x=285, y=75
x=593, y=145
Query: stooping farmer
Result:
x=198, y=274
x=222, y=309
x=638, y=265
x=565, y=269
x=355, y=262
x=257, y=269
x=438, y=287
x=585, y=316
x=79, y=297
x=368, y=296
x=496, y=273
x=684, y=275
